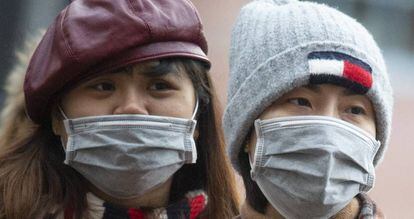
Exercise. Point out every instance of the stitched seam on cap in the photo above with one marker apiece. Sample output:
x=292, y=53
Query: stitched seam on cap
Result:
x=134, y=10
x=158, y=54
x=68, y=48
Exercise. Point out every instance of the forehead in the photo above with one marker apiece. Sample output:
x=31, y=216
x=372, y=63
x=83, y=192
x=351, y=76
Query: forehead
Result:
x=326, y=89
x=149, y=69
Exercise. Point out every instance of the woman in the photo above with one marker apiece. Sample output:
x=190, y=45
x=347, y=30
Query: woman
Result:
x=113, y=91
x=318, y=114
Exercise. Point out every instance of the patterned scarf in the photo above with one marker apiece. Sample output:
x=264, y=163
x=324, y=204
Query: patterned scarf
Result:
x=189, y=208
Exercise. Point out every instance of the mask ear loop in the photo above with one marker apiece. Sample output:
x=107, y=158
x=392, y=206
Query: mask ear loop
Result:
x=66, y=118
x=194, y=151
x=195, y=108
x=250, y=161
x=62, y=112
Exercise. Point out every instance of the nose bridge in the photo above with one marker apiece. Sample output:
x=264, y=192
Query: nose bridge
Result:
x=328, y=106
x=131, y=101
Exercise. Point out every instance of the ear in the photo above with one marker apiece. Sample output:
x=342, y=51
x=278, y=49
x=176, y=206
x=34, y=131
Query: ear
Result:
x=56, y=127
x=196, y=134
x=246, y=148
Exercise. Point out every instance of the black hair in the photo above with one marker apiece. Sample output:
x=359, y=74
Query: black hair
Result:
x=254, y=196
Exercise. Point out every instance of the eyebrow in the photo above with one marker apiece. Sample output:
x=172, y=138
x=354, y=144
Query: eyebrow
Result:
x=349, y=92
x=313, y=87
x=124, y=70
x=153, y=72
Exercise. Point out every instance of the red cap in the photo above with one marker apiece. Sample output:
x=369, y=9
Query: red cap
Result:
x=90, y=37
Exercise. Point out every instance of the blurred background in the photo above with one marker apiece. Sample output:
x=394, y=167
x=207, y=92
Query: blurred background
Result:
x=391, y=23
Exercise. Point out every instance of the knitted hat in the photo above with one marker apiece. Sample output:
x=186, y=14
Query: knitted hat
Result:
x=94, y=37
x=281, y=45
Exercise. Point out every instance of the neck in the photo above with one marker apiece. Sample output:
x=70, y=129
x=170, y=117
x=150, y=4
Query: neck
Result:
x=247, y=212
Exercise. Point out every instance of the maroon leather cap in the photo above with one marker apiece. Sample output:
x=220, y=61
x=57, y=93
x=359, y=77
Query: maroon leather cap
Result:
x=96, y=36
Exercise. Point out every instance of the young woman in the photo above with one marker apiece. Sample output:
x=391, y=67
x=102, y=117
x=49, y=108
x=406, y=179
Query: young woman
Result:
x=123, y=120
x=309, y=111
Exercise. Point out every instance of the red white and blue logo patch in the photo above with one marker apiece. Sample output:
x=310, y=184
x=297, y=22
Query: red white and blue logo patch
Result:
x=340, y=69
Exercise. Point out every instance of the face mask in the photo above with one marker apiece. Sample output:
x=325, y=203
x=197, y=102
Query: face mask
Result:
x=126, y=156
x=312, y=166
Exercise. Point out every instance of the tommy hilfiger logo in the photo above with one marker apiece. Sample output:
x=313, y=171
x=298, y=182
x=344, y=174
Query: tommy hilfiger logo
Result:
x=340, y=69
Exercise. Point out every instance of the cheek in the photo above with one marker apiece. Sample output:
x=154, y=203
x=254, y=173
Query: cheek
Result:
x=371, y=124
x=279, y=110
x=179, y=105
x=370, y=127
x=76, y=106
x=173, y=107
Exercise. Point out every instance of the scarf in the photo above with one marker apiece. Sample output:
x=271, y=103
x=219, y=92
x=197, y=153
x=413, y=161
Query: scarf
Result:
x=191, y=207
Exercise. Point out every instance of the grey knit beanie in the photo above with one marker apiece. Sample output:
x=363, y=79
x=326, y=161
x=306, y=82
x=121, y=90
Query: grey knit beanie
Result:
x=277, y=46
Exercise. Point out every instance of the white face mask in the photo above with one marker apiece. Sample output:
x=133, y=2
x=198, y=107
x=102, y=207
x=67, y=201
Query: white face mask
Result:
x=312, y=166
x=126, y=156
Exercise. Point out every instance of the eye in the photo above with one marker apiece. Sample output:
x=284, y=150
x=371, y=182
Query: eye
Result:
x=104, y=86
x=160, y=86
x=300, y=101
x=356, y=110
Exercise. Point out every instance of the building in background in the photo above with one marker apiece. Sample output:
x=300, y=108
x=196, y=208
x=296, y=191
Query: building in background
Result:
x=391, y=23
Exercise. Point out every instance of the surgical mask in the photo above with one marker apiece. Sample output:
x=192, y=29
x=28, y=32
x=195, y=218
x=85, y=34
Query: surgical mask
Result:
x=126, y=156
x=312, y=166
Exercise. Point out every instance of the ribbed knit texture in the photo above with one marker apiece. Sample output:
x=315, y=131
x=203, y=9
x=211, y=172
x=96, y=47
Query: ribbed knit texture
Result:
x=270, y=44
